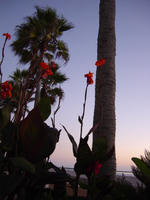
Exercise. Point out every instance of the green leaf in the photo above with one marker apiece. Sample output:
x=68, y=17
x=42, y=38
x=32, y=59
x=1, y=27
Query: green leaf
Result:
x=44, y=106
x=84, y=157
x=8, y=183
x=31, y=134
x=38, y=140
x=22, y=163
x=74, y=144
x=142, y=166
x=52, y=137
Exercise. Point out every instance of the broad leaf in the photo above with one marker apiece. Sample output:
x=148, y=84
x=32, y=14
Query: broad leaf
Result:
x=22, y=163
x=142, y=166
x=100, y=152
x=52, y=137
x=44, y=106
x=84, y=157
x=74, y=144
x=93, y=129
x=38, y=140
x=32, y=135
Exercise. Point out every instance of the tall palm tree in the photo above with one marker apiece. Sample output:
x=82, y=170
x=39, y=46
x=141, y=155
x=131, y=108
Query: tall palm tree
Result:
x=106, y=83
x=38, y=40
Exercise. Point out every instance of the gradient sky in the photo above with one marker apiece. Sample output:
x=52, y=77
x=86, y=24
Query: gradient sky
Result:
x=132, y=70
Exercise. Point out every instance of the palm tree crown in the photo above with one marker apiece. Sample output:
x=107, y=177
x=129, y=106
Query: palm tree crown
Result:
x=39, y=34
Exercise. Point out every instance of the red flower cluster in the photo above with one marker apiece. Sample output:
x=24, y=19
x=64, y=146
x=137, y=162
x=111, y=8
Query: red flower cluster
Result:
x=100, y=62
x=5, y=90
x=94, y=167
x=46, y=69
x=7, y=35
x=89, y=77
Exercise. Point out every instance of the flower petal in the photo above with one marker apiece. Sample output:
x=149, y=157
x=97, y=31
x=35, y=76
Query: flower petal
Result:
x=7, y=35
x=44, y=65
x=97, y=167
x=100, y=62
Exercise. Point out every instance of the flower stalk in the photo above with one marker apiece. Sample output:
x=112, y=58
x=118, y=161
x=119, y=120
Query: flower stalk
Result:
x=84, y=104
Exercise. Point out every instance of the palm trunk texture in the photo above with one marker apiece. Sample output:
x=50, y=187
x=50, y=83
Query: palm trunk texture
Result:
x=106, y=83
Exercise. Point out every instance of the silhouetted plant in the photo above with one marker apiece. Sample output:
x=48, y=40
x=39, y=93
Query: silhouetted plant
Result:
x=122, y=190
x=142, y=171
x=89, y=162
x=26, y=141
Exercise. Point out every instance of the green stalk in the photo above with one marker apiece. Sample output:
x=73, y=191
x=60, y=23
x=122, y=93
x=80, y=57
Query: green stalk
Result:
x=84, y=104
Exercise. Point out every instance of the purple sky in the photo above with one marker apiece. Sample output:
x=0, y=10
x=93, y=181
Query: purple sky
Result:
x=132, y=70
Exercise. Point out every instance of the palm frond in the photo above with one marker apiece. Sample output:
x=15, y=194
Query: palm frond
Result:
x=56, y=92
x=138, y=173
x=18, y=75
x=59, y=78
x=64, y=25
x=48, y=56
x=63, y=51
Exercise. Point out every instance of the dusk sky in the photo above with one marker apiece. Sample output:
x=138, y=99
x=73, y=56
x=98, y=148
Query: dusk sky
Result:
x=132, y=70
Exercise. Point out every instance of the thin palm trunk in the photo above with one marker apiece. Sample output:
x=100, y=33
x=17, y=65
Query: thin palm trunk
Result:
x=37, y=93
x=38, y=87
x=106, y=83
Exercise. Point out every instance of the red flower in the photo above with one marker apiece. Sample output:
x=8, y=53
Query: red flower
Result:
x=44, y=65
x=94, y=167
x=100, y=62
x=90, y=81
x=7, y=35
x=89, y=77
x=97, y=167
x=5, y=90
x=49, y=72
x=46, y=69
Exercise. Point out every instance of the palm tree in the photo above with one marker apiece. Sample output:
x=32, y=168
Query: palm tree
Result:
x=18, y=78
x=106, y=83
x=38, y=40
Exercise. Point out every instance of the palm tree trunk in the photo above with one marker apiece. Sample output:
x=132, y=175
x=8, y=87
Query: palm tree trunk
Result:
x=38, y=87
x=37, y=93
x=106, y=83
